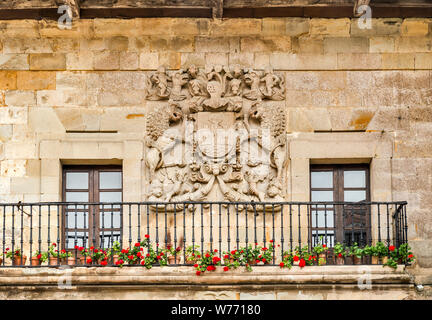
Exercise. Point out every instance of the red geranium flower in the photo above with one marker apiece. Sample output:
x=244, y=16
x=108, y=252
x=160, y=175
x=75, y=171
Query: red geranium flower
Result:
x=233, y=252
x=139, y=254
x=96, y=250
x=410, y=256
x=271, y=241
x=215, y=250
x=158, y=257
x=89, y=260
x=39, y=256
x=142, y=262
x=147, y=236
x=281, y=264
x=131, y=257
x=225, y=268
x=54, y=245
x=207, y=255
x=226, y=256
x=63, y=251
x=124, y=251
x=264, y=260
x=81, y=248
x=198, y=273
x=257, y=261
x=137, y=244
x=148, y=255
x=392, y=248
x=295, y=258
x=196, y=265
x=264, y=249
x=324, y=245
x=76, y=247
x=340, y=255
x=104, y=262
x=302, y=263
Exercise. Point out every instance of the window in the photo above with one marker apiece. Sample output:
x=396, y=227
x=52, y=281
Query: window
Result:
x=86, y=225
x=340, y=223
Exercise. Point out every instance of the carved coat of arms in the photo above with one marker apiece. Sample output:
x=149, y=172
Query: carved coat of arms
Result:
x=216, y=134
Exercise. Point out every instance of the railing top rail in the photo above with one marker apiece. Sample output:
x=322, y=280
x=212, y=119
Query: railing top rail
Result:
x=208, y=202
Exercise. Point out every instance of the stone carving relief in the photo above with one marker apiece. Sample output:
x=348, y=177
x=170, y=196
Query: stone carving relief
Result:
x=216, y=134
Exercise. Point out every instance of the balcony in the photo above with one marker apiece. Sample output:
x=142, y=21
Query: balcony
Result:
x=191, y=229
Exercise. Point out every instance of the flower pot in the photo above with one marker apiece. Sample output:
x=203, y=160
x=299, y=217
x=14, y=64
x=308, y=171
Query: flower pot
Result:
x=116, y=258
x=252, y=262
x=322, y=259
x=35, y=261
x=174, y=260
x=53, y=261
x=83, y=261
x=356, y=260
x=374, y=260
x=1, y=260
x=340, y=260
x=384, y=260
x=70, y=261
x=17, y=260
x=192, y=262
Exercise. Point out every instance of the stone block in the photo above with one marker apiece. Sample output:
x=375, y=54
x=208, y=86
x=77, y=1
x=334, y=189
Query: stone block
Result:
x=106, y=60
x=149, y=61
x=423, y=61
x=173, y=43
x=333, y=27
x=13, y=168
x=217, y=59
x=5, y=132
x=242, y=59
x=274, y=26
x=82, y=28
x=381, y=44
x=20, y=98
x=359, y=61
x=303, y=61
x=20, y=150
x=94, y=44
x=116, y=27
x=36, y=80
x=266, y=44
x=347, y=45
x=297, y=26
x=168, y=26
x=211, y=44
x=415, y=27
x=188, y=59
x=172, y=60
x=14, y=62
x=308, y=45
x=82, y=60
x=261, y=60
x=25, y=185
x=413, y=44
x=44, y=120
x=21, y=28
x=8, y=80
x=129, y=61
x=13, y=115
x=397, y=60
x=47, y=61
x=119, y=43
x=235, y=27
x=27, y=45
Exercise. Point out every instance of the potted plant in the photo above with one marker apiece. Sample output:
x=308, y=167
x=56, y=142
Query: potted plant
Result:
x=356, y=253
x=393, y=257
x=16, y=256
x=208, y=262
x=173, y=255
x=38, y=258
x=192, y=254
x=53, y=258
x=382, y=250
x=233, y=259
x=114, y=252
x=339, y=253
x=405, y=255
x=250, y=256
x=266, y=254
x=287, y=260
x=321, y=250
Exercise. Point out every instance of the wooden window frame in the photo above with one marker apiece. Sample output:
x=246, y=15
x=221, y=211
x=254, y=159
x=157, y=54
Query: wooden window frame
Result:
x=93, y=227
x=338, y=196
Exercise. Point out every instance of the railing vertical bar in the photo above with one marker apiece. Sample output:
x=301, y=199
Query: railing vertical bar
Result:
x=202, y=230
x=22, y=236
x=102, y=226
x=282, y=231
x=157, y=228
x=379, y=222
x=76, y=234
x=4, y=235
x=255, y=223
x=273, y=235
x=193, y=230
x=316, y=225
x=299, y=225
x=388, y=225
x=175, y=233
x=264, y=225
x=184, y=234
x=290, y=227
x=31, y=233
x=220, y=230
x=405, y=225
x=130, y=225
x=58, y=235
x=166, y=227
x=139, y=223
x=13, y=230
x=228, y=228
x=49, y=229
x=237, y=227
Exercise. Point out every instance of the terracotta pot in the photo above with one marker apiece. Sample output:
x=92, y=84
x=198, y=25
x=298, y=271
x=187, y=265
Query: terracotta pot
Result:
x=374, y=260
x=53, y=261
x=252, y=262
x=116, y=258
x=192, y=262
x=356, y=260
x=322, y=259
x=174, y=260
x=340, y=260
x=1, y=260
x=17, y=260
x=83, y=261
x=35, y=261
x=384, y=260
x=70, y=261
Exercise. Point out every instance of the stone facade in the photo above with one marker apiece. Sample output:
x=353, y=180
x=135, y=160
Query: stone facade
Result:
x=350, y=94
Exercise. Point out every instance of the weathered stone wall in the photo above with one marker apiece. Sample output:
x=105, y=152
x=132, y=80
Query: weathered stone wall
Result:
x=338, y=78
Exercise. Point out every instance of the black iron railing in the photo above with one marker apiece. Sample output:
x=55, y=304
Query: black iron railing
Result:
x=32, y=228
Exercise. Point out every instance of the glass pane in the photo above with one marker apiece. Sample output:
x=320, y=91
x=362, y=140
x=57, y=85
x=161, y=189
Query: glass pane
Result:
x=322, y=179
x=328, y=240
x=110, y=197
x=80, y=238
x=77, y=196
x=80, y=217
x=355, y=179
x=322, y=219
x=322, y=195
x=106, y=217
x=77, y=180
x=110, y=180
x=354, y=196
